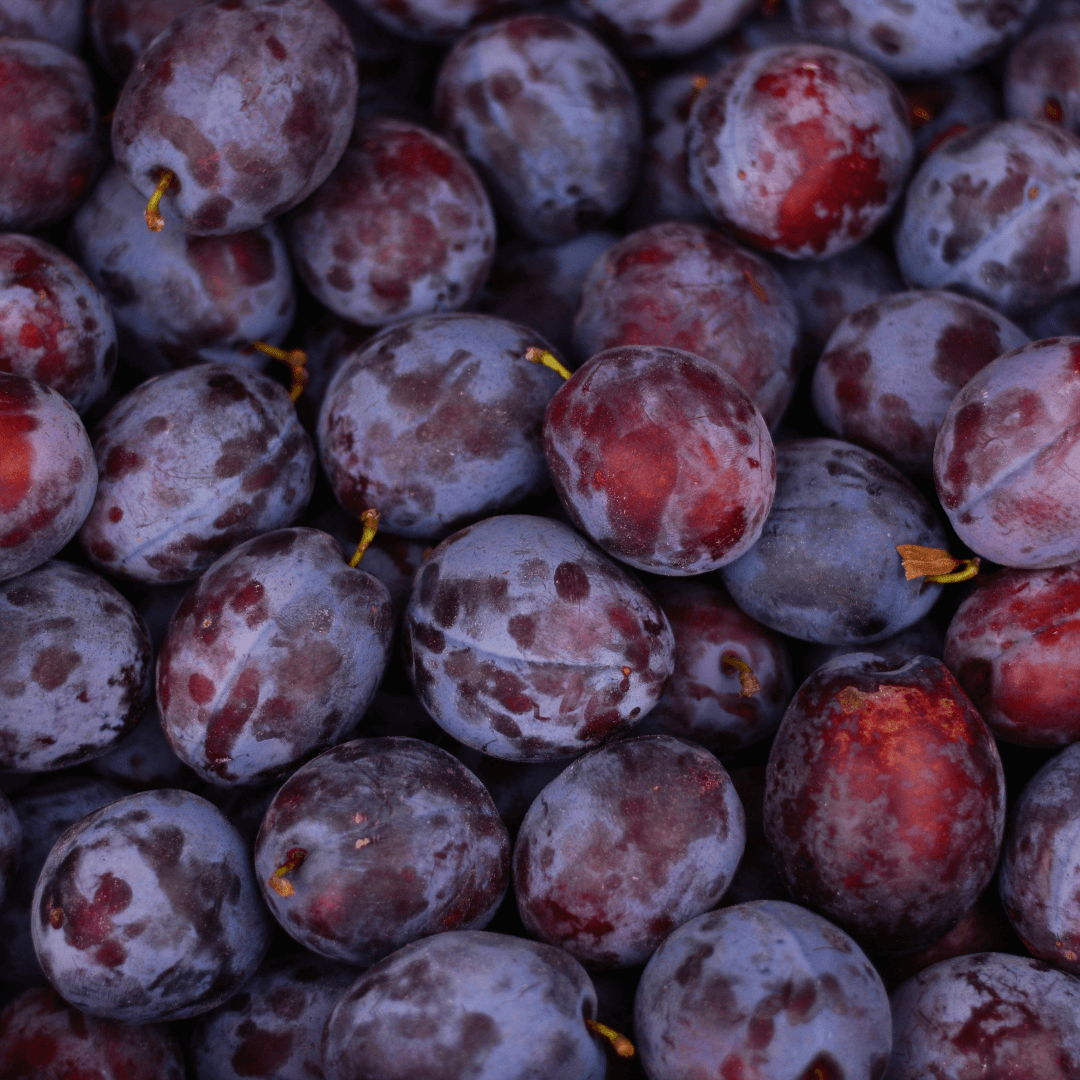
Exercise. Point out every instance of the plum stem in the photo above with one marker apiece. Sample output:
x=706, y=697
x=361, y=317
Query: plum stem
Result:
x=697, y=84
x=548, y=359
x=154, y=221
x=295, y=358
x=619, y=1043
x=935, y=565
x=747, y=678
x=370, y=520
x=294, y=859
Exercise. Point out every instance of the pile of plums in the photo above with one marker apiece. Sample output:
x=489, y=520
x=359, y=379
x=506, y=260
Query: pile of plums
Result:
x=539, y=540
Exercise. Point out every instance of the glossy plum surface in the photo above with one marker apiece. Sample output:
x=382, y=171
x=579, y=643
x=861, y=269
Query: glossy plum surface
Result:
x=686, y=286
x=436, y=422
x=526, y=642
x=240, y=158
x=49, y=477
x=147, y=910
x=765, y=986
x=885, y=800
x=236, y=430
x=626, y=844
x=802, y=149
x=892, y=368
x=486, y=1006
x=826, y=567
x=180, y=300
x=55, y=326
x=402, y=227
x=1007, y=459
x=273, y=655
x=1014, y=646
x=990, y=1015
x=399, y=841
x=704, y=699
x=75, y=672
x=991, y=213
x=549, y=118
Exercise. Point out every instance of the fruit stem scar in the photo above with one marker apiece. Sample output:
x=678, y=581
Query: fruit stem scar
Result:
x=154, y=221
x=542, y=356
x=370, y=520
x=619, y=1043
x=294, y=859
x=56, y=918
x=935, y=565
x=747, y=678
x=295, y=358
x=697, y=83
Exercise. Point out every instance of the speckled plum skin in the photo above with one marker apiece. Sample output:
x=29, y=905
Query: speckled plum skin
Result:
x=660, y=27
x=273, y=1027
x=802, y=149
x=941, y=108
x=892, y=368
x=235, y=430
x=49, y=478
x=181, y=300
x=241, y=158
x=45, y=809
x=539, y=286
x=49, y=125
x=826, y=291
x=1042, y=81
x=55, y=326
x=627, y=843
x=826, y=567
x=918, y=40
x=402, y=227
x=885, y=800
x=42, y=1037
x=74, y=668
x=485, y=1006
x=437, y=421
x=526, y=642
x=703, y=700
x=989, y=1014
x=1007, y=459
x=402, y=841
x=1040, y=869
x=273, y=655
x=992, y=213
x=661, y=458
x=1014, y=646
x=58, y=21
x=688, y=287
x=120, y=30
x=763, y=989
x=550, y=120
x=147, y=910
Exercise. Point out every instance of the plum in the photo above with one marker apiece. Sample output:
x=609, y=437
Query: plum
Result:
x=144, y=759
x=1042, y=81
x=660, y=27
x=120, y=30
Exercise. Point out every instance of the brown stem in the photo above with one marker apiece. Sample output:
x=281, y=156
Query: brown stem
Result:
x=619, y=1043
x=294, y=859
x=935, y=565
x=747, y=678
x=370, y=520
x=295, y=358
x=154, y=221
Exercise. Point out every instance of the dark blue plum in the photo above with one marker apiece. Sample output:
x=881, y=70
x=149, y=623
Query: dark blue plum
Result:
x=148, y=911
x=526, y=642
x=42, y=1037
x=192, y=464
x=180, y=300
x=467, y=1004
x=273, y=1027
x=379, y=842
x=45, y=809
x=826, y=568
x=629, y=842
x=763, y=989
x=273, y=655
x=436, y=422
x=75, y=671
x=892, y=368
x=549, y=118
x=1042, y=81
x=987, y=1015
x=240, y=158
